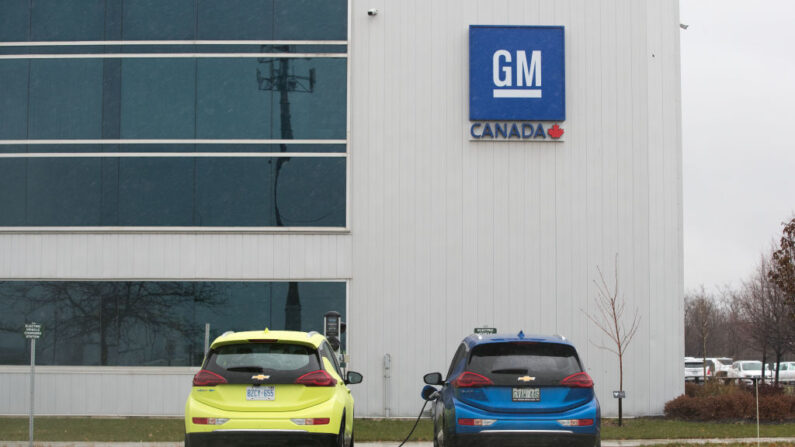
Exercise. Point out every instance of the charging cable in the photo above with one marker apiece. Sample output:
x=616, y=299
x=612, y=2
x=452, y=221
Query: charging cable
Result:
x=415, y=424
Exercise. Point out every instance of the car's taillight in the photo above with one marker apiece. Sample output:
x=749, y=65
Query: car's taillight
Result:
x=316, y=378
x=471, y=380
x=575, y=422
x=209, y=421
x=579, y=380
x=311, y=421
x=207, y=378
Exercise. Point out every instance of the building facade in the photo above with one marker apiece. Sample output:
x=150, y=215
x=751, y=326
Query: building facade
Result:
x=171, y=169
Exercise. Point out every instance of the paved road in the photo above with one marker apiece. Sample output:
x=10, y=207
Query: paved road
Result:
x=634, y=443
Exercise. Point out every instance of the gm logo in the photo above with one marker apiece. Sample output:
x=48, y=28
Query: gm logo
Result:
x=517, y=73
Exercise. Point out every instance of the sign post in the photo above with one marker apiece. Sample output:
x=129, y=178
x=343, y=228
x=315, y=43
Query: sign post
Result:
x=32, y=332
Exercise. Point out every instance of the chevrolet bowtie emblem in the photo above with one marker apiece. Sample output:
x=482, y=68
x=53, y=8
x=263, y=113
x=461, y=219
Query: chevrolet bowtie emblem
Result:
x=261, y=377
x=526, y=379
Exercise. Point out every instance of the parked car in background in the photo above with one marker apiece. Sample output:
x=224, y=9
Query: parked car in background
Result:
x=719, y=366
x=747, y=369
x=786, y=374
x=694, y=369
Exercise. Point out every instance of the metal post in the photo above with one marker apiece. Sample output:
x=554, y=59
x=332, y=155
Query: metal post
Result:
x=756, y=383
x=206, y=338
x=32, y=388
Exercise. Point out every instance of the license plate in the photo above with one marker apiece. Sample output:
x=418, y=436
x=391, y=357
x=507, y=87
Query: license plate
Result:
x=261, y=393
x=526, y=394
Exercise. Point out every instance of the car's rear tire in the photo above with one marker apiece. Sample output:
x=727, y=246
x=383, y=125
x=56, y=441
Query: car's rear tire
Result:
x=341, y=436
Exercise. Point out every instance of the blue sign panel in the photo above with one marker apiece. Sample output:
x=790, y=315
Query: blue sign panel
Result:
x=517, y=73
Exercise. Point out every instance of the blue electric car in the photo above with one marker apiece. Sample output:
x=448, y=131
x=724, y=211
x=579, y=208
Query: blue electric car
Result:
x=514, y=389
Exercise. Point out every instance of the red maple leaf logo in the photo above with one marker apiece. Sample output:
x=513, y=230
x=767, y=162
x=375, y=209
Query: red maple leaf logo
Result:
x=555, y=132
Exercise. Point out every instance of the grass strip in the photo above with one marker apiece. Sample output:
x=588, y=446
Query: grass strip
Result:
x=140, y=429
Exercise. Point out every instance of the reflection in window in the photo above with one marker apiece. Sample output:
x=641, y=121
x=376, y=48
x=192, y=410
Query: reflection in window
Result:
x=187, y=98
x=60, y=20
x=146, y=323
x=169, y=191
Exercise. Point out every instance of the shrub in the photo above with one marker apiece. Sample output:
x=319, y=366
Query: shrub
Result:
x=728, y=402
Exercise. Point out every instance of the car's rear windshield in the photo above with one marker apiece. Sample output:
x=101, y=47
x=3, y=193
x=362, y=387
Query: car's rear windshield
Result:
x=282, y=362
x=693, y=365
x=504, y=363
x=751, y=366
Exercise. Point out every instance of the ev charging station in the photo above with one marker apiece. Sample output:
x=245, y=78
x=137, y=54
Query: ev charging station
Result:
x=333, y=328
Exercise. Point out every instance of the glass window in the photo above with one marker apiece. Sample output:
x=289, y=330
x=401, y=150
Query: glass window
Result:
x=232, y=103
x=12, y=192
x=159, y=20
x=236, y=20
x=13, y=100
x=459, y=354
x=172, y=191
x=65, y=98
x=174, y=99
x=67, y=20
x=63, y=190
x=148, y=323
x=156, y=192
x=158, y=98
x=282, y=362
x=310, y=19
x=549, y=363
x=14, y=20
x=60, y=20
x=328, y=354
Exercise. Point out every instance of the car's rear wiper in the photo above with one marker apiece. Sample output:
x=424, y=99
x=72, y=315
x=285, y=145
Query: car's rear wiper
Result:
x=510, y=371
x=246, y=368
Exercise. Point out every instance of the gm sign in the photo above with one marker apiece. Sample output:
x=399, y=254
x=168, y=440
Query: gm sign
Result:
x=517, y=73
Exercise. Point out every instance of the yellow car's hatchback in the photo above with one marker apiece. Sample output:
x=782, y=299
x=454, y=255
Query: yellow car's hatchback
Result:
x=270, y=388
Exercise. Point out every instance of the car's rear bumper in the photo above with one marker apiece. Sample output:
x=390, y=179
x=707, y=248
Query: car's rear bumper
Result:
x=526, y=439
x=222, y=438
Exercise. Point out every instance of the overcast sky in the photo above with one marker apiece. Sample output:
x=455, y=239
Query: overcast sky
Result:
x=738, y=118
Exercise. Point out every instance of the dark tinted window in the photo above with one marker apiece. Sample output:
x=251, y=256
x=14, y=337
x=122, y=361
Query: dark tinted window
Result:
x=693, y=364
x=180, y=98
x=459, y=354
x=60, y=20
x=150, y=323
x=283, y=362
x=548, y=363
x=327, y=352
x=307, y=192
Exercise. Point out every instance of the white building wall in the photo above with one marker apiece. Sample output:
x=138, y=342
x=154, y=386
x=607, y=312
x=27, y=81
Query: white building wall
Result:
x=450, y=234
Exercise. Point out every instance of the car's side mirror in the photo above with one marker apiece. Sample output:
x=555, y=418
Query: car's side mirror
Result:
x=353, y=378
x=429, y=392
x=433, y=379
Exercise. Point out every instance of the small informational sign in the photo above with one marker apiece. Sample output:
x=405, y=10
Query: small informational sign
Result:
x=485, y=330
x=32, y=330
x=619, y=394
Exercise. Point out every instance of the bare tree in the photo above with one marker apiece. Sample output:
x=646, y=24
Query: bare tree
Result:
x=701, y=315
x=765, y=310
x=609, y=318
x=113, y=314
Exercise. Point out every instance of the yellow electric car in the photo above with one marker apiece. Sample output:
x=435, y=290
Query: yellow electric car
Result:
x=270, y=388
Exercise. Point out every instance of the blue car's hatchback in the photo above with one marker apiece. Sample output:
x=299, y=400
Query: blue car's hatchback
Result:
x=515, y=390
